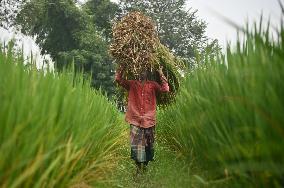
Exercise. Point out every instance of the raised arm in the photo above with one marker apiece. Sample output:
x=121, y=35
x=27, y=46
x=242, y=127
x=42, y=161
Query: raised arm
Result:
x=164, y=87
x=118, y=78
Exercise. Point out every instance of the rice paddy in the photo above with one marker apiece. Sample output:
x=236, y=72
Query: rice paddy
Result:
x=225, y=128
x=55, y=130
x=228, y=117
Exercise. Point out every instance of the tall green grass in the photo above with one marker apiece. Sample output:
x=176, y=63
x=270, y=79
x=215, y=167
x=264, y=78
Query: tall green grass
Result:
x=229, y=116
x=55, y=131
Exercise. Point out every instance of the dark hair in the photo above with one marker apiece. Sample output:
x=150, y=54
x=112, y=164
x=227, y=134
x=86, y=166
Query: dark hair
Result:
x=149, y=74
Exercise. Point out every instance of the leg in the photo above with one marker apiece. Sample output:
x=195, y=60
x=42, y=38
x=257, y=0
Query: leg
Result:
x=150, y=139
x=139, y=167
x=145, y=166
x=146, y=163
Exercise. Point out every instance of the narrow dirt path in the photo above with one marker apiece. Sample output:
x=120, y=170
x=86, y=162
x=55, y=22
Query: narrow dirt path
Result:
x=166, y=171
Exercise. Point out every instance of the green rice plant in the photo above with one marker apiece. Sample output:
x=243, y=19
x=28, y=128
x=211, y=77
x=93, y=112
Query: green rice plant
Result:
x=55, y=131
x=171, y=65
x=228, y=117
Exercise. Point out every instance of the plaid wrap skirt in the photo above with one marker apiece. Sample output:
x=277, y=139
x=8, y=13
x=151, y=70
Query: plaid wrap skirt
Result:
x=142, y=143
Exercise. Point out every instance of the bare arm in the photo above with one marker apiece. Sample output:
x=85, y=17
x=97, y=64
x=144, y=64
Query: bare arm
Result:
x=164, y=87
x=118, y=78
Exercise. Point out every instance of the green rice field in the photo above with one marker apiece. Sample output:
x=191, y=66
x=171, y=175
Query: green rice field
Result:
x=225, y=129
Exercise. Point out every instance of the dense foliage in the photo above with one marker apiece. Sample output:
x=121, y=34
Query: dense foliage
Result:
x=68, y=33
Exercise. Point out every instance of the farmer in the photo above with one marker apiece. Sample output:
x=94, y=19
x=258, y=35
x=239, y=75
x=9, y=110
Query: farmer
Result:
x=141, y=114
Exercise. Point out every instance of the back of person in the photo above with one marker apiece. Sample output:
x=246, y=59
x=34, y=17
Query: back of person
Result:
x=141, y=114
x=141, y=108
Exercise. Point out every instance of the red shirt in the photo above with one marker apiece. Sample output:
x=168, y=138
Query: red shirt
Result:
x=141, y=107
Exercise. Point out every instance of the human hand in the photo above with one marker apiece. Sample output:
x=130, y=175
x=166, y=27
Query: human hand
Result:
x=160, y=70
x=121, y=68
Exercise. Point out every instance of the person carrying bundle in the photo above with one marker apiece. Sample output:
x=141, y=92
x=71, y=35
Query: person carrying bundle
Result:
x=141, y=114
x=140, y=56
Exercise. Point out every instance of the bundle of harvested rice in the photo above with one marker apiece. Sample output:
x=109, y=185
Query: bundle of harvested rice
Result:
x=134, y=41
x=136, y=48
x=171, y=65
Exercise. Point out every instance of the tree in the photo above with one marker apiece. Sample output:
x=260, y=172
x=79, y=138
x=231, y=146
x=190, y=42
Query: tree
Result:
x=102, y=13
x=179, y=29
x=98, y=65
x=58, y=26
x=8, y=12
x=67, y=33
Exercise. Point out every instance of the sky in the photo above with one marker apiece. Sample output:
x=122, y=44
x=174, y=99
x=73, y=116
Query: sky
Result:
x=27, y=43
x=238, y=11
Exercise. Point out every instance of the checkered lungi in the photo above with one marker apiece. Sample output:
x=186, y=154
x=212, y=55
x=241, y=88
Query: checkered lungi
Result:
x=142, y=143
